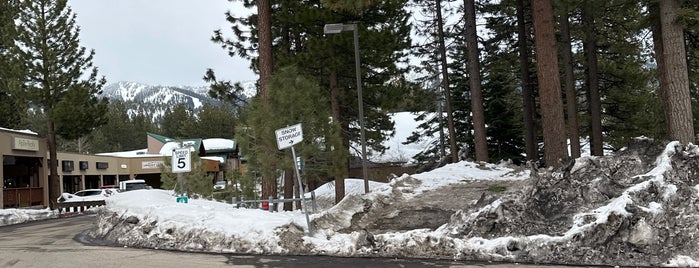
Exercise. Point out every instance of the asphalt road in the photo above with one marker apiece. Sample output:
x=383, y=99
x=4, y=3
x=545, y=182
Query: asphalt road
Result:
x=59, y=243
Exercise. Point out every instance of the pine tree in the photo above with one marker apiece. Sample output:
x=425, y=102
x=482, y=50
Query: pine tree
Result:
x=570, y=92
x=675, y=85
x=297, y=33
x=176, y=123
x=215, y=122
x=320, y=147
x=474, y=76
x=626, y=85
x=195, y=184
x=11, y=72
x=56, y=68
x=549, y=84
x=431, y=80
x=528, y=91
x=592, y=82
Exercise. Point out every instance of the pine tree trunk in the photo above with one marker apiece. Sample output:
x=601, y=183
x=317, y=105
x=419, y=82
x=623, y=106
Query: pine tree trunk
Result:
x=264, y=27
x=336, y=113
x=479, y=133
x=595, y=106
x=54, y=179
x=660, y=63
x=677, y=98
x=528, y=104
x=445, y=83
x=549, y=84
x=571, y=95
x=288, y=189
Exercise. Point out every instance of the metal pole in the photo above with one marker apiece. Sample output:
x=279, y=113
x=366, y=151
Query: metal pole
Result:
x=298, y=175
x=361, y=106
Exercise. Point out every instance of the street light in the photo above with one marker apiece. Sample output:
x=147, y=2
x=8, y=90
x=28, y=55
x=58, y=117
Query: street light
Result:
x=335, y=29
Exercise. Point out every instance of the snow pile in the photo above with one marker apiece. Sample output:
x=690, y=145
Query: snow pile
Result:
x=607, y=211
x=153, y=219
x=15, y=216
x=639, y=207
x=325, y=194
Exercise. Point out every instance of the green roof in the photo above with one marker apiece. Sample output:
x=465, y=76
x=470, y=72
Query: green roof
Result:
x=160, y=138
x=196, y=143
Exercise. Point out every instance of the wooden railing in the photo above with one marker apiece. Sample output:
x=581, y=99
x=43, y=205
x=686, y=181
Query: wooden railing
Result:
x=23, y=197
x=66, y=209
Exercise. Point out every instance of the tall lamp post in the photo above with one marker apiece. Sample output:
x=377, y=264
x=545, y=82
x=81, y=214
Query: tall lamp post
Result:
x=338, y=28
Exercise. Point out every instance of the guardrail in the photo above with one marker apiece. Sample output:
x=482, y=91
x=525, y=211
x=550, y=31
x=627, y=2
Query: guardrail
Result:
x=67, y=209
x=271, y=201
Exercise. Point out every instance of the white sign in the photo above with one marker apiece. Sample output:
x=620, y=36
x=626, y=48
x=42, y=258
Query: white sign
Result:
x=151, y=164
x=288, y=136
x=181, y=160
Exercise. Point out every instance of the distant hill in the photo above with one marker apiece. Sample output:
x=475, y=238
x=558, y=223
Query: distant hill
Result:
x=155, y=99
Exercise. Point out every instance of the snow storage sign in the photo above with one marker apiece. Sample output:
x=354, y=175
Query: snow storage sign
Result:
x=181, y=160
x=288, y=136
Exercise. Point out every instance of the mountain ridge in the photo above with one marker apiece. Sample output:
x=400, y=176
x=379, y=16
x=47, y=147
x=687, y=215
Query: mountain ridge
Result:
x=155, y=99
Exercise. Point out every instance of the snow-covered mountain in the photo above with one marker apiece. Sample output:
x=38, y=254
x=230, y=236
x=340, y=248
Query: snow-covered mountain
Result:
x=155, y=99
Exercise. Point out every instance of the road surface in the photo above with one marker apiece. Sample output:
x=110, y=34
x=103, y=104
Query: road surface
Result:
x=57, y=243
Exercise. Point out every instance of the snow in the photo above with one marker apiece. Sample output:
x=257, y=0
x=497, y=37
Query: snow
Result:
x=405, y=123
x=218, y=144
x=134, y=153
x=14, y=216
x=261, y=232
x=169, y=147
x=24, y=131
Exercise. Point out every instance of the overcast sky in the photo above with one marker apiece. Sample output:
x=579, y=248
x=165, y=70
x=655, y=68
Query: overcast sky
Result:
x=160, y=42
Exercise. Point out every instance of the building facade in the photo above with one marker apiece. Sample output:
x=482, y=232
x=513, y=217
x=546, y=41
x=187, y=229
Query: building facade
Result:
x=25, y=172
x=24, y=176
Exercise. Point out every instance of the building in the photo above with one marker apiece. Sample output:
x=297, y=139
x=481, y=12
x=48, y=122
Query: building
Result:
x=25, y=165
x=24, y=169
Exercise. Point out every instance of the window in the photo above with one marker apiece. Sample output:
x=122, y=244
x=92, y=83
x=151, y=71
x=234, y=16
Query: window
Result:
x=83, y=165
x=67, y=166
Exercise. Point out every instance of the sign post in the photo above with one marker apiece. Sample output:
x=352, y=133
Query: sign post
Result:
x=181, y=163
x=288, y=137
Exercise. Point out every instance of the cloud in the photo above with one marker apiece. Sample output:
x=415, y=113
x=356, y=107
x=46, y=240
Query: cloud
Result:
x=164, y=42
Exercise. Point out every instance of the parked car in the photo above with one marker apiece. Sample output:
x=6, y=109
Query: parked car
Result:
x=220, y=185
x=86, y=195
x=130, y=185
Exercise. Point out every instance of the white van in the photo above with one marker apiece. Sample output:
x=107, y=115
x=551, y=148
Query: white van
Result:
x=133, y=185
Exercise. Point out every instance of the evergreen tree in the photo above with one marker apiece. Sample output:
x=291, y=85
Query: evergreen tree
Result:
x=300, y=97
x=549, y=84
x=474, y=77
x=57, y=80
x=195, y=184
x=298, y=39
x=688, y=15
x=120, y=133
x=177, y=123
x=215, y=122
x=592, y=78
x=629, y=107
x=570, y=92
x=11, y=72
x=431, y=78
x=674, y=82
x=526, y=81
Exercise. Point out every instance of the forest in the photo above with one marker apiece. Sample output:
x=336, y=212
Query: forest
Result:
x=510, y=80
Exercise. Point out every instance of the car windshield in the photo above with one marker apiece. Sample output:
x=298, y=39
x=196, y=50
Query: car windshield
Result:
x=88, y=192
x=136, y=186
x=220, y=183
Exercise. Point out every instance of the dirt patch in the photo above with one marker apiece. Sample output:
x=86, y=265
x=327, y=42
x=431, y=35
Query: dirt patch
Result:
x=432, y=209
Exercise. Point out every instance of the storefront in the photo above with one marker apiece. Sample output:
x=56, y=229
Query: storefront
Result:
x=25, y=182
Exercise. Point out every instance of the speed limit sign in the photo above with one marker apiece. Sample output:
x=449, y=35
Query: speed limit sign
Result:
x=181, y=160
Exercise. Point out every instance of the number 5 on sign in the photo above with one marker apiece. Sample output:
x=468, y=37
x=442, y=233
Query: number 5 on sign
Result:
x=181, y=160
